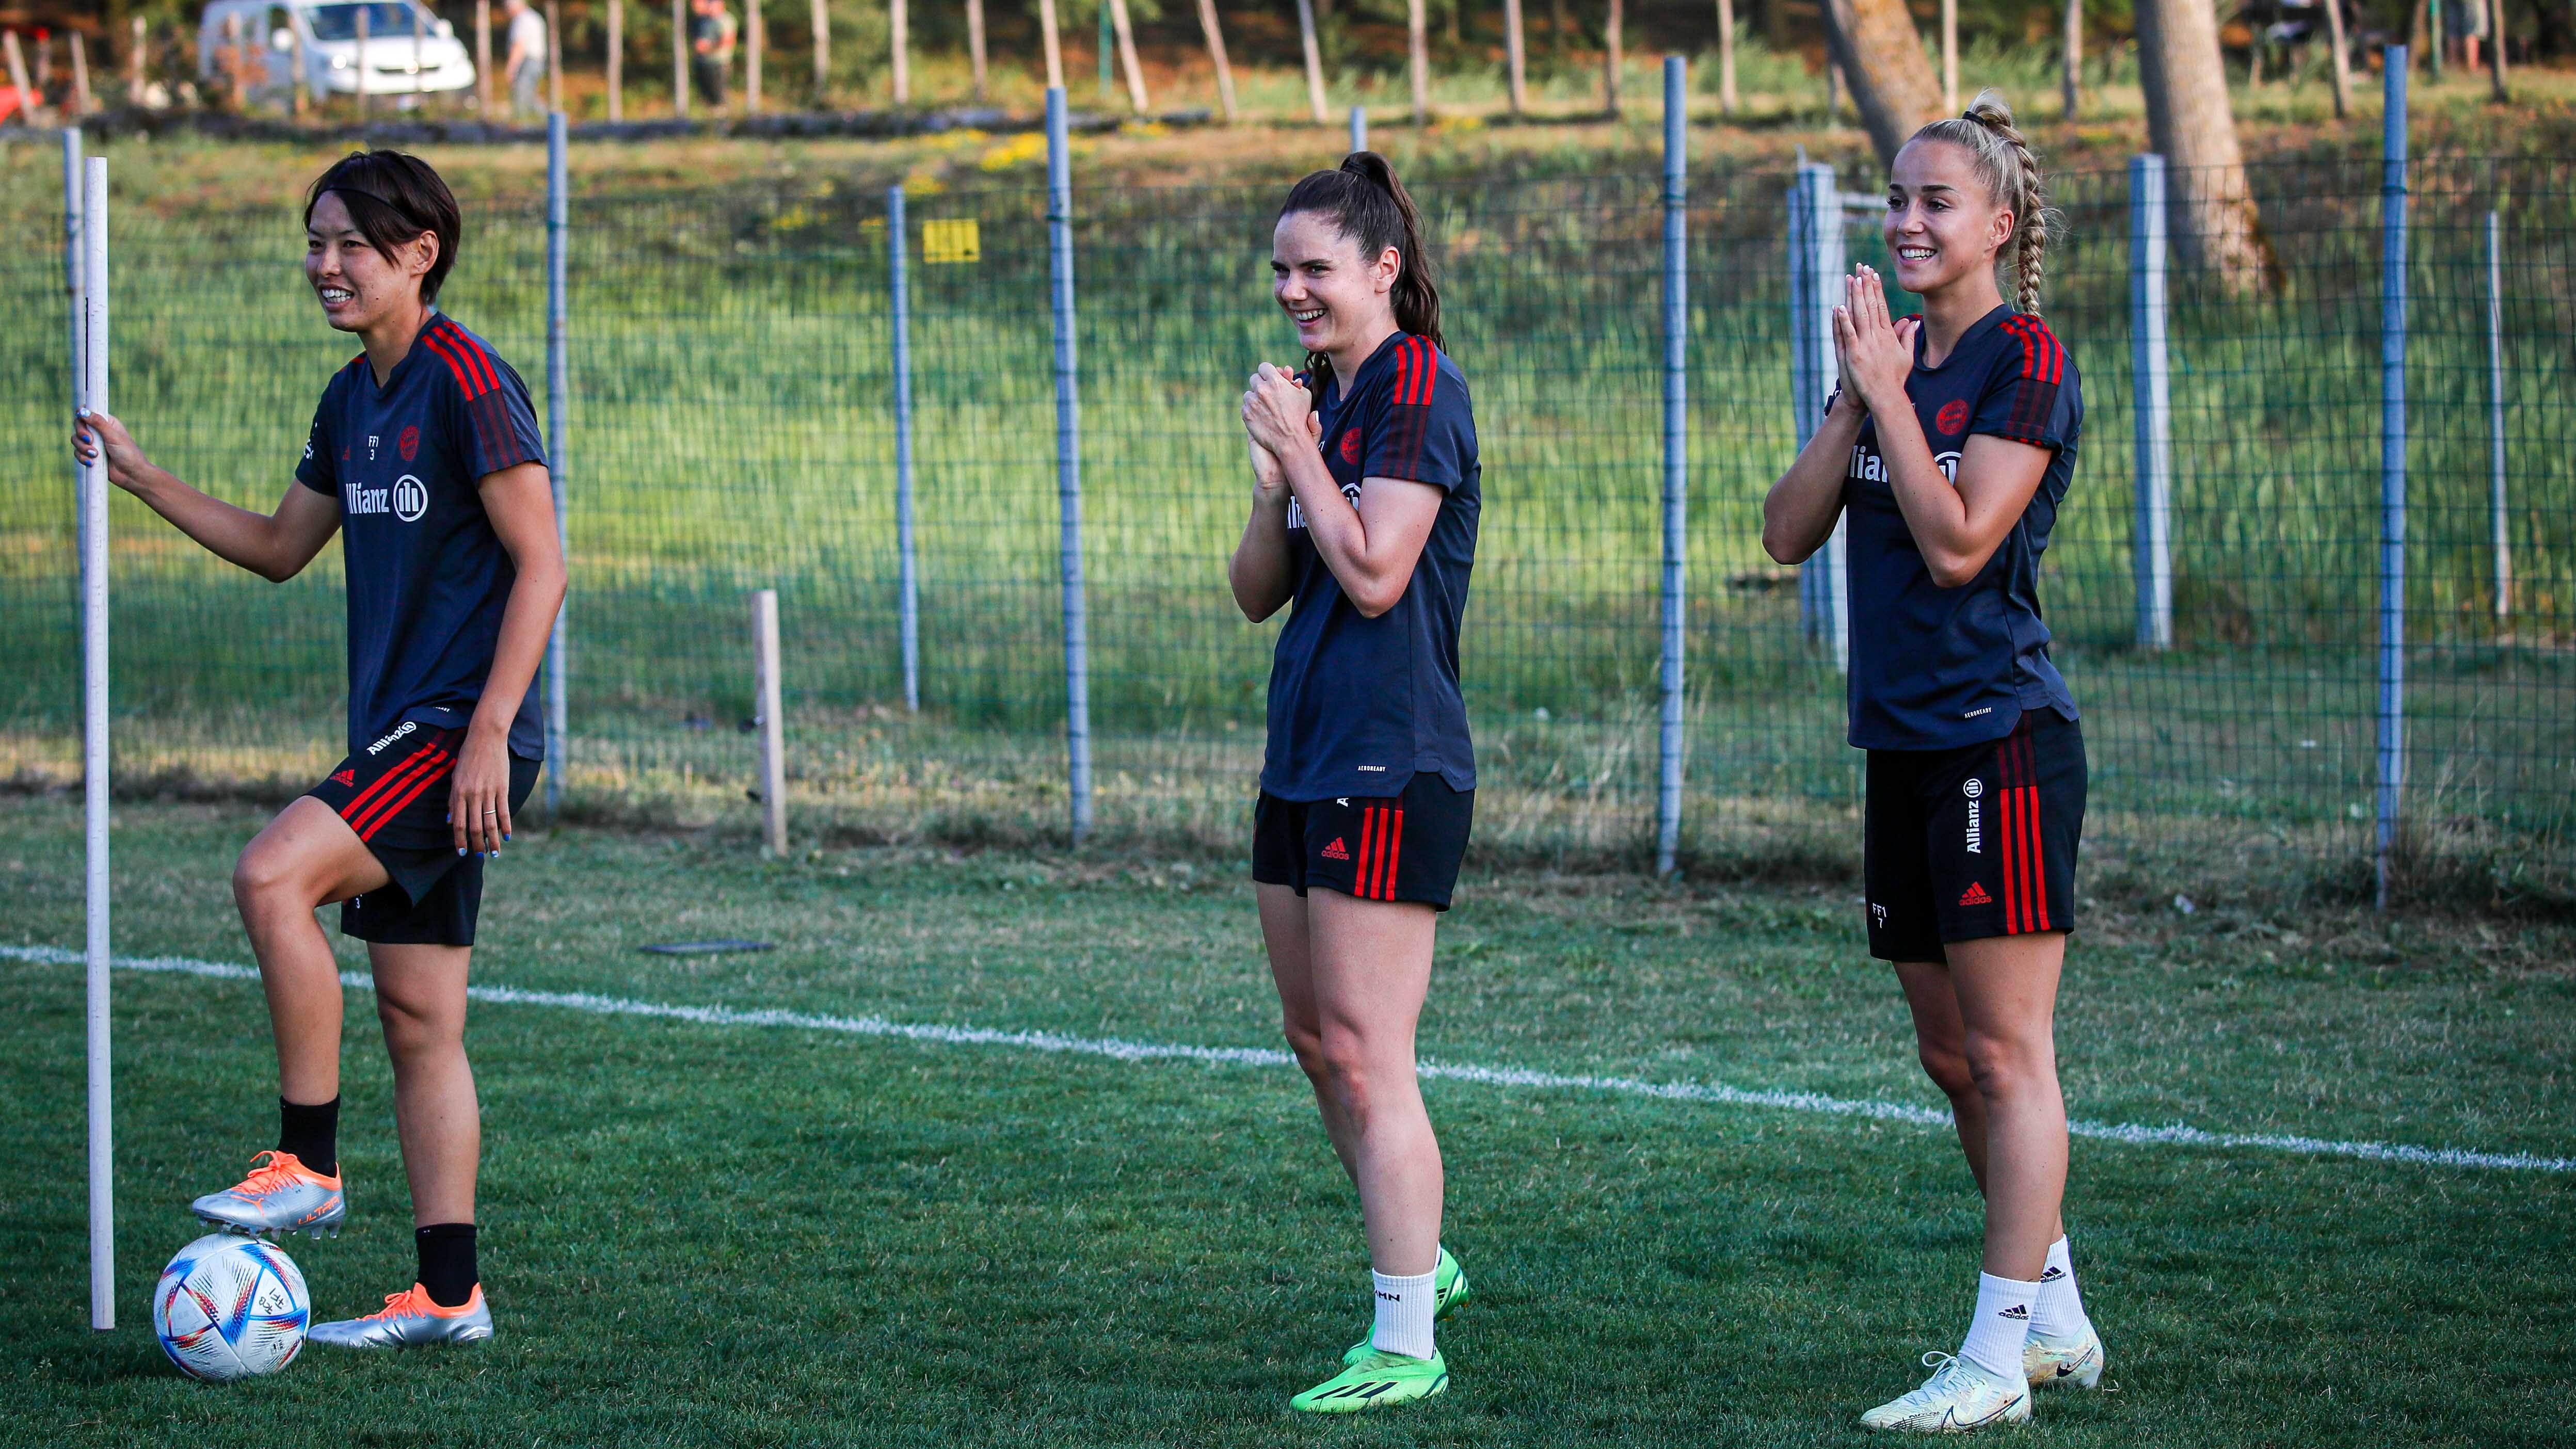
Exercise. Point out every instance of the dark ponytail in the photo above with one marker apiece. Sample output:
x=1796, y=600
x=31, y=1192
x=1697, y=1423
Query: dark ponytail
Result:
x=1370, y=207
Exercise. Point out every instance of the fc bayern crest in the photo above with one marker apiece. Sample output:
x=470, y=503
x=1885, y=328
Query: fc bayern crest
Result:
x=1351, y=446
x=1952, y=419
x=409, y=443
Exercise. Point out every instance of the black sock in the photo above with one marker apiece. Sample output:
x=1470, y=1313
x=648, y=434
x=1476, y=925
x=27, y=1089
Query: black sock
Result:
x=311, y=1133
x=447, y=1262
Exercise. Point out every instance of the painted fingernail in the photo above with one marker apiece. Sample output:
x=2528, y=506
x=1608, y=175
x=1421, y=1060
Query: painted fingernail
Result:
x=460, y=850
x=505, y=835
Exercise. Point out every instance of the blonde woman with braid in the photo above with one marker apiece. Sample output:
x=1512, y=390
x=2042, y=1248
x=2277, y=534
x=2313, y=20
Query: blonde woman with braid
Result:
x=1949, y=444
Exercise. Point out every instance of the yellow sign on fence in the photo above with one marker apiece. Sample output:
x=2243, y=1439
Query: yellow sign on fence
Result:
x=953, y=240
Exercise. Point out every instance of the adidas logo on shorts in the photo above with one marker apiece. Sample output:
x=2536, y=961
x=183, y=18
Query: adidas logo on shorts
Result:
x=1976, y=895
x=1337, y=850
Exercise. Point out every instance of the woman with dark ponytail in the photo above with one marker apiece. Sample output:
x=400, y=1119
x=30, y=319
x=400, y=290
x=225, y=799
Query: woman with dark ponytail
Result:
x=1364, y=503
x=1950, y=444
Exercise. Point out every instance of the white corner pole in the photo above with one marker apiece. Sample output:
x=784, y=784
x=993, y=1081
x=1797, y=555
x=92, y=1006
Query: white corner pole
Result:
x=102, y=1127
x=773, y=736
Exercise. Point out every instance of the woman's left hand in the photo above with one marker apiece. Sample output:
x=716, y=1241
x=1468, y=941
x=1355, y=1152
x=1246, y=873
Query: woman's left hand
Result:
x=1276, y=407
x=478, y=805
x=1877, y=354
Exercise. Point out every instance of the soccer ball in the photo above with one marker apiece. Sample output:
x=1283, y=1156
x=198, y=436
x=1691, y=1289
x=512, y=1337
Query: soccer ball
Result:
x=230, y=1307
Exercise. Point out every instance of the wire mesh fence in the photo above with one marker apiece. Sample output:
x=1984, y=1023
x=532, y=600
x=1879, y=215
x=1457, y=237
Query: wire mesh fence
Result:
x=732, y=428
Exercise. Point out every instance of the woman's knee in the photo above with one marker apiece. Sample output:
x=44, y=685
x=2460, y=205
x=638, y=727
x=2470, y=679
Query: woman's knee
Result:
x=264, y=874
x=1946, y=1063
x=414, y=1031
x=2004, y=1067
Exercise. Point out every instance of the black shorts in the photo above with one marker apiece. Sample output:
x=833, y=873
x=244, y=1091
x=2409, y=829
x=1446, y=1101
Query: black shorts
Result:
x=1379, y=848
x=1965, y=844
x=394, y=794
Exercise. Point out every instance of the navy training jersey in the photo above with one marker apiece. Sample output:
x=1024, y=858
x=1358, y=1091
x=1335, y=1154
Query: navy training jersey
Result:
x=1358, y=706
x=1935, y=668
x=428, y=577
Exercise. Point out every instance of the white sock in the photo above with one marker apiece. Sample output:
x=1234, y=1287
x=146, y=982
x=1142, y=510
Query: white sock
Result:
x=2058, y=1316
x=1404, y=1314
x=1995, y=1336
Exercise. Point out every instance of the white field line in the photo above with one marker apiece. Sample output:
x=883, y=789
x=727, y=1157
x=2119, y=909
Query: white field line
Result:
x=2175, y=1134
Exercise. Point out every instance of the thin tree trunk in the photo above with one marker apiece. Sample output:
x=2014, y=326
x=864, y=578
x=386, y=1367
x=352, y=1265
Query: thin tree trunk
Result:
x=679, y=58
x=899, y=39
x=617, y=59
x=974, y=44
x=1216, y=53
x=134, y=65
x=1726, y=55
x=2072, y=81
x=1054, y=44
x=1564, y=25
x=1314, y=58
x=554, y=54
x=1518, y=57
x=2495, y=44
x=2342, y=59
x=1950, y=57
x=1611, y=59
x=1127, y=54
x=756, y=41
x=1882, y=61
x=80, y=75
x=33, y=112
x=1418, y=45
x=2214, y=224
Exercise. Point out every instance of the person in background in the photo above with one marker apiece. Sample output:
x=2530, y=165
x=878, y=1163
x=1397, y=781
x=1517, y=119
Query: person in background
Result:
x=2466, y=22
x=527, y=63
x=711, y=32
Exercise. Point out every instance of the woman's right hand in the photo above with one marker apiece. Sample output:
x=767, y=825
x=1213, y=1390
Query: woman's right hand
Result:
x=94, y=433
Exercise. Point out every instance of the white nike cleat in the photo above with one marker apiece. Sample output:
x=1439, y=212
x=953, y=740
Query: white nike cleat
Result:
x=2078, y=1364
x=1957, y=1398
x=410, y=1319
x=280, y=1196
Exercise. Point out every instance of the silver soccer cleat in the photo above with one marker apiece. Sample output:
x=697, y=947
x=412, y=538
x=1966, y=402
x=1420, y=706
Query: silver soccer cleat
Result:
x=280, y=1196
x=1959, y=1397
x=410, y=1320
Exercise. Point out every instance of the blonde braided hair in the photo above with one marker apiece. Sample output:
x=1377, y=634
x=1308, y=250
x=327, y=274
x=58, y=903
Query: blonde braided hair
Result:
x=2011, y=173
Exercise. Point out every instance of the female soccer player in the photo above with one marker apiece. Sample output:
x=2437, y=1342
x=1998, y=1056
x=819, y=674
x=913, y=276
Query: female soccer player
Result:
x=1950, y=443
x=1364, y=503
x=424, y=455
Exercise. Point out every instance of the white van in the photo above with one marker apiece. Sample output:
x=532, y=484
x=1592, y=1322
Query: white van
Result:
x=409, y=50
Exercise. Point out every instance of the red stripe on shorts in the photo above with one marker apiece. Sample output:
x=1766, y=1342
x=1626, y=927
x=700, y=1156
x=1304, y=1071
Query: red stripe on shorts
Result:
x=1394, y=854
x=358, y=806
x=418, y=779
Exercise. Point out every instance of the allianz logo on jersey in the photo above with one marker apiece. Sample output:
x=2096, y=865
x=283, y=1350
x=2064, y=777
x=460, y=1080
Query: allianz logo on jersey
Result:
x=1868, y=467
x=407, y=499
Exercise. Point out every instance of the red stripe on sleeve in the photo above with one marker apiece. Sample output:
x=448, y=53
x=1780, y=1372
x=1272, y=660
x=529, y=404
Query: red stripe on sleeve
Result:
x=464, y=375
x=1403, y=374
x=1430, y=369
x=475, y=356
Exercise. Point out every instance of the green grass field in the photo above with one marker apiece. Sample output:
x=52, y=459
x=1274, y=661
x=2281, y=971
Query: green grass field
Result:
x=740, y=1234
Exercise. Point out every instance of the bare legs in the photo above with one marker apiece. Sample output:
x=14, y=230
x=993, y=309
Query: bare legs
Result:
x=1352, y=975
x=309, y=857
x=1985, y=1027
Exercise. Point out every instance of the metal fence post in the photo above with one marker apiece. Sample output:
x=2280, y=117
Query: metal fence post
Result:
x=94, y=752
x=72, y=184
x=908, y=604
x=558, y=444
x=2392, y=467
x=2151, y=540
x=1068, y=464
x=1359, y=128
x=1668, y=778
x=2495, y=411
x=1815, y=264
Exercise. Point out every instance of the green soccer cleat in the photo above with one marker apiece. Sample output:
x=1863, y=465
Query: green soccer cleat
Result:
x=1377, y=1380
x=1450, y=1291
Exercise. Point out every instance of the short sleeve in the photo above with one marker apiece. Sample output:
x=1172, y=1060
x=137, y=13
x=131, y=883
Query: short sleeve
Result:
x=1427, y=433
x=491, y=422
x=319, y=468
x=2030, y=395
